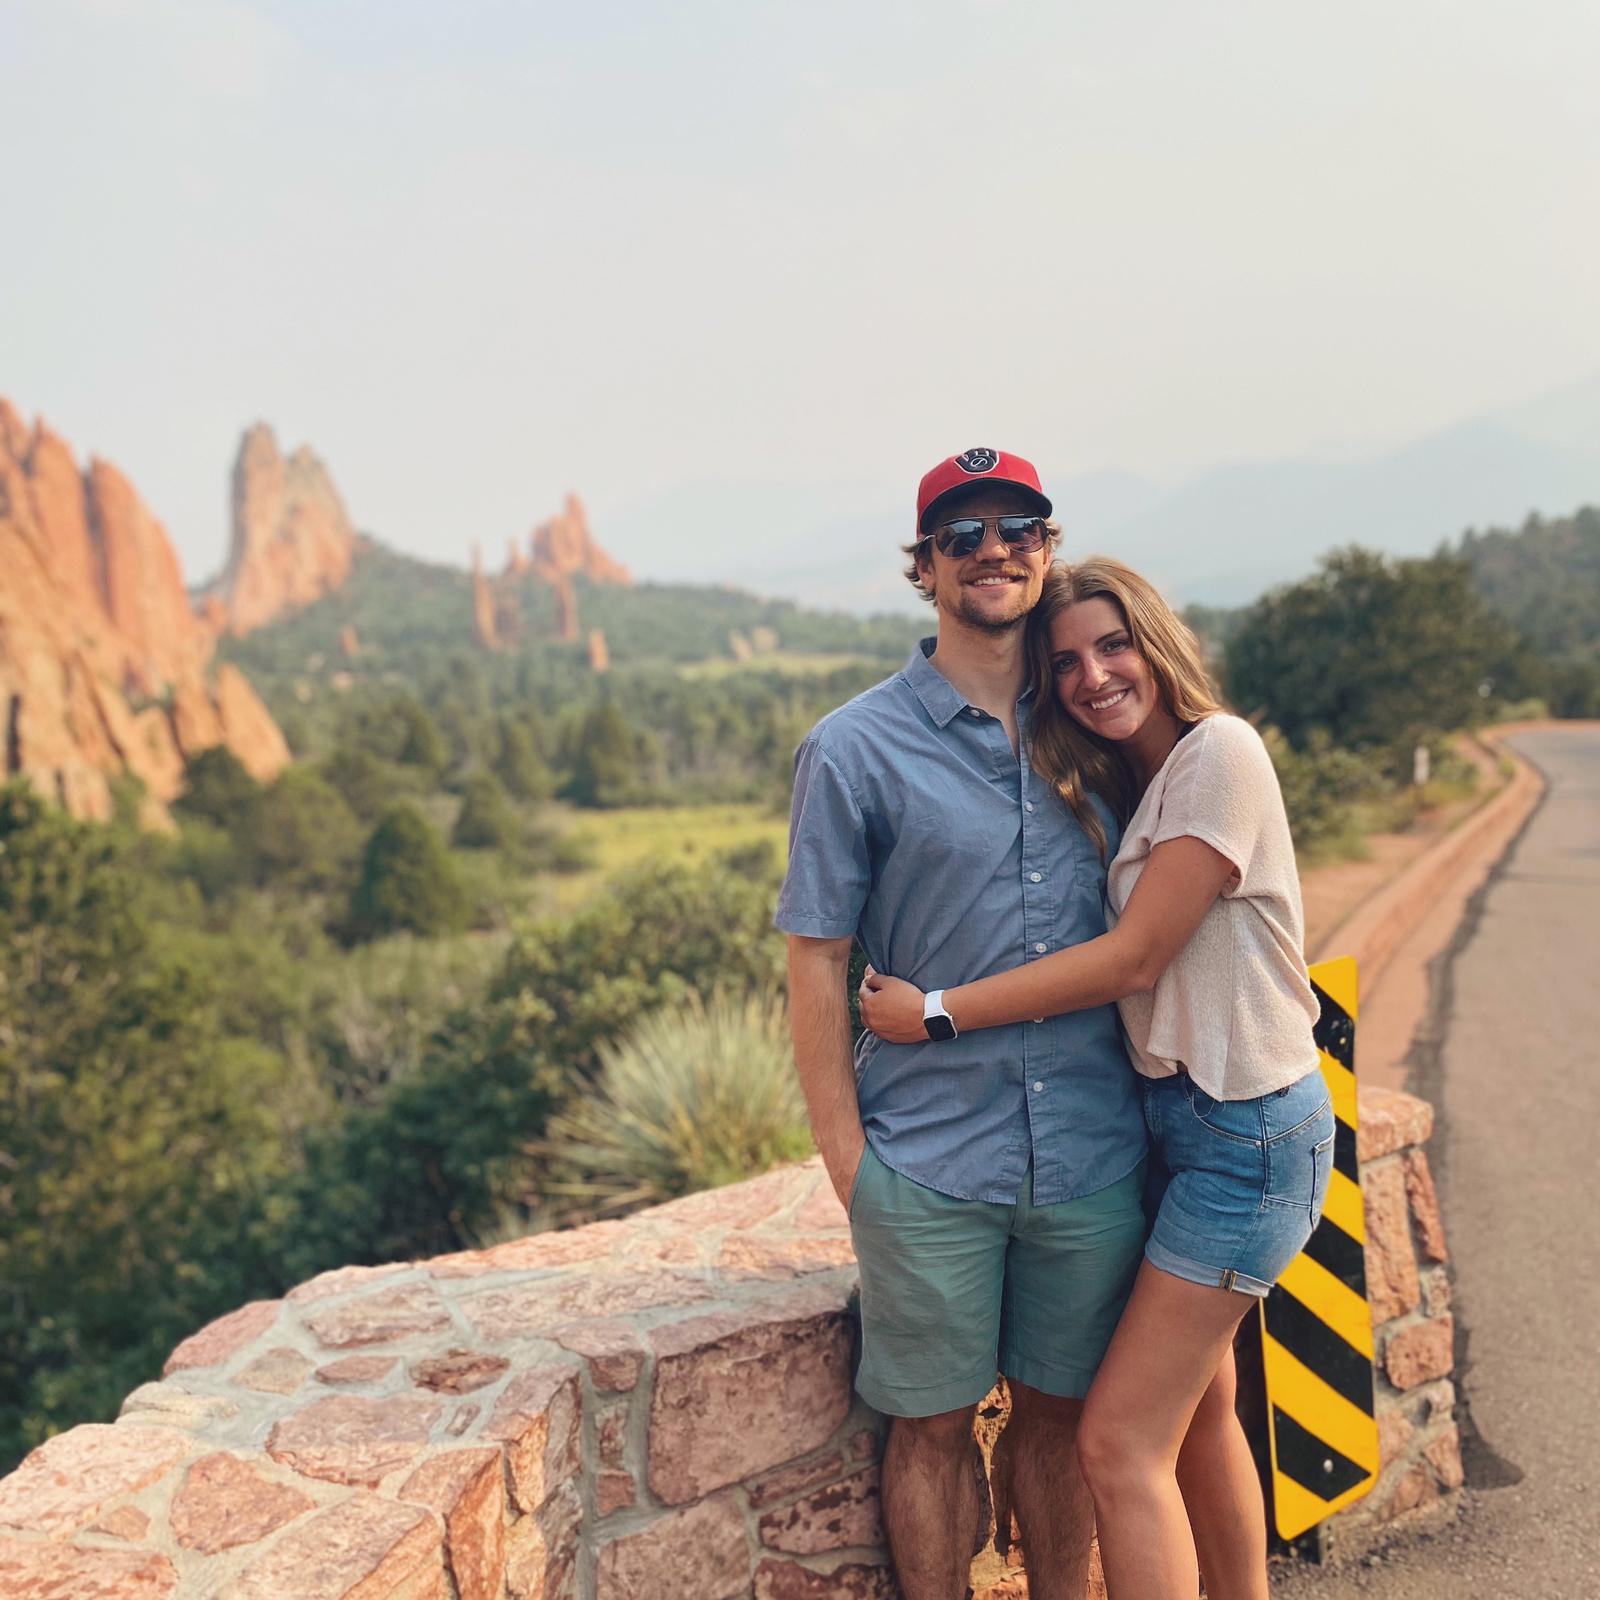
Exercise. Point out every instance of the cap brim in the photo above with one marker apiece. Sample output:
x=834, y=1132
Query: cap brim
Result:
x=941, y=502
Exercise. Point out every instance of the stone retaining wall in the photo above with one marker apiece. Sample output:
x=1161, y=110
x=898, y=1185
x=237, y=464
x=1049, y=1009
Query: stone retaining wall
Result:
x=652, y=1409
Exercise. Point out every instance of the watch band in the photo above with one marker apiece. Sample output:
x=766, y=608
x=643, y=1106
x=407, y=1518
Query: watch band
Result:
x=937, y=1023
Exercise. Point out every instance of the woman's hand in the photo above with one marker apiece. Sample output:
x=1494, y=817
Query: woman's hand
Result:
x=892, y=1008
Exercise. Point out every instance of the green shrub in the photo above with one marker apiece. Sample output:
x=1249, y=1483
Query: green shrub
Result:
x=486, y=820
x=698, y=1094
x=408, y=883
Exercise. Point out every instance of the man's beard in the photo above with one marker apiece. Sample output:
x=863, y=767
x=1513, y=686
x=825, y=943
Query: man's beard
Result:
x=970, y=611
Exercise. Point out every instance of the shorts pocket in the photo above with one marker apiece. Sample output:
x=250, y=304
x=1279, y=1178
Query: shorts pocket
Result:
x=855, y=1186
x=1239, y=1120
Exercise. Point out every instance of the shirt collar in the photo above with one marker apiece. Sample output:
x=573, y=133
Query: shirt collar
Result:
x=938, y=695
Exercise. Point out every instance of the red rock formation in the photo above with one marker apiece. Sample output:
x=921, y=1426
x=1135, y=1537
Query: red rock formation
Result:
x=93, y=612
x=564, y=547
x=599, y=654
x=292, y=539
x=485, y=624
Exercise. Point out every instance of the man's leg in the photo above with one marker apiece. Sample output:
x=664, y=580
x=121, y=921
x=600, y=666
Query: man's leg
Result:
x=931, y=1269
x=931, y=1502
x=1037, y=1454
x=1068, y=1273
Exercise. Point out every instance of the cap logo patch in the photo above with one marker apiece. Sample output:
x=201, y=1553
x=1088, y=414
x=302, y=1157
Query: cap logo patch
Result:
x=976, y=461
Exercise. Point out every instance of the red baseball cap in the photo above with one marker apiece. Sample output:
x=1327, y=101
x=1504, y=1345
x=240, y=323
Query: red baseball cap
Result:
x=976, y=467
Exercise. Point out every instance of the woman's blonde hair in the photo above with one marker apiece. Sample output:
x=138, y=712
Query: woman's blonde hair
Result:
x=1064, y=753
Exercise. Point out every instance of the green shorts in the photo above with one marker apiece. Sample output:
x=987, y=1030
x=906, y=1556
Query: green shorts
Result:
x=953, y=1291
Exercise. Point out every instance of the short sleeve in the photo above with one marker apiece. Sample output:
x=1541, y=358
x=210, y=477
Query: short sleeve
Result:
x=829, y=874
x=1222, y=790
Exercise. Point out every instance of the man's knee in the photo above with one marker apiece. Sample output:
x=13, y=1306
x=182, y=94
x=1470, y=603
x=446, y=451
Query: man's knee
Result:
x=945, y=1432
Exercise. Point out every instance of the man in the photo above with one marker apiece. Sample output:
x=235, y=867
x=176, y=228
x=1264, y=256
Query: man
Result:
x=993, y=1182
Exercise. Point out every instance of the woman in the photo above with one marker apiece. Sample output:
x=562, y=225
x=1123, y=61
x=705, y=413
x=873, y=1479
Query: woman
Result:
x=1204, y=960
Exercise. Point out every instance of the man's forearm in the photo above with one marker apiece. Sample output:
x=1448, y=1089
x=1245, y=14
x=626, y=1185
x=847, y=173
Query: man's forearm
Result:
x=819, y=1016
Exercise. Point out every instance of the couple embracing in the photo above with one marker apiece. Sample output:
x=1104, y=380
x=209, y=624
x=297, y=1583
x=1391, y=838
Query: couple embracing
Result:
x=1085, y=1125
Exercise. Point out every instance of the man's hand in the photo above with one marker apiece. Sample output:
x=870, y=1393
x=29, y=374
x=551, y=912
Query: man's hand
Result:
x=892, y=1008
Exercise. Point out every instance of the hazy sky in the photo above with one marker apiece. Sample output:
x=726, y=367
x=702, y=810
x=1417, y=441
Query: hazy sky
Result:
x=479, y=252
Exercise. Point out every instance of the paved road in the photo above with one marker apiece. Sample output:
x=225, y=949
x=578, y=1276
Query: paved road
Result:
x=1511, y=1060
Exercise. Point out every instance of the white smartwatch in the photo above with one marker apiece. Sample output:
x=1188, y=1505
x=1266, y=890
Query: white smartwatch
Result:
x=937, y=1022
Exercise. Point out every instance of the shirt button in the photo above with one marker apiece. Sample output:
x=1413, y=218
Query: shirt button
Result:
x=1038, y=1088
x=1027, y=805
x=976, y=712
x=1039, y=948
x=1035, y=877
x=1038, y=1019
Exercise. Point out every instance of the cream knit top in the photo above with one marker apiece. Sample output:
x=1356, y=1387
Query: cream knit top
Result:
x=1235, y=1007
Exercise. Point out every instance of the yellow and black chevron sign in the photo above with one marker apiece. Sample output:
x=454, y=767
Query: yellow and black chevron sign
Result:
x=1316, y=1326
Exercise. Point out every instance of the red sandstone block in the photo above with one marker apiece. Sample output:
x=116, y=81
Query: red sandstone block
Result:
x=614, y=1491
x=459, y=1371
x=776, y=1256
x=821, y=1210
x=1395, y=1431
x=737, y=1205
x=788, y=1580
x=1389, y=1120
x=614, y=1350
x=341, y=1280
x=612, y=1433
x=552, y=1303
x=1425, y=1205
x=697, y=1554
x=228, y=1335
x=468, y=1489
x=347, y=1438
x=542, y=1550
x=1393, y=1287
x=226, y=1502
x=537, y=1417
x=63, y=1485
x=793, y=1480
x=379, y=1317
x=1445, y=1455
x=1423, y=1351
x=537, y=1253
x=356, y=1369
x=841, y=1516
x=740, y=1392
x=363, y=1548
x=461, y=1419
x=278, y=1371
x=66, y=1572
x=1414, y=1490
x=126, y=1522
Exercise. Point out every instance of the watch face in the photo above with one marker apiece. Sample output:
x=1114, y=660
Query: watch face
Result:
x=939, y=1027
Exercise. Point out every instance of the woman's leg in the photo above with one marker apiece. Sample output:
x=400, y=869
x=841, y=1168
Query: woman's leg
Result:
x=1165, y=1353
x=1222, y=1494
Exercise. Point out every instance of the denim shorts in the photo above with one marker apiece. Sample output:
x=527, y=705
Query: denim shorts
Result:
x=1236, y=1185
x=954, y=1291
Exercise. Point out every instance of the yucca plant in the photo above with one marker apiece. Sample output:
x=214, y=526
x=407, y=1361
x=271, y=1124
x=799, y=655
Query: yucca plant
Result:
x=697, y=1094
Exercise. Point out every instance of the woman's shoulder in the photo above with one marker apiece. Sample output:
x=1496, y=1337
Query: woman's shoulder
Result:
x=1223, y=739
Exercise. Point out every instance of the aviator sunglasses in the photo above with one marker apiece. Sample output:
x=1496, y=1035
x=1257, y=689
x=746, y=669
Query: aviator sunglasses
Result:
x=961, y=537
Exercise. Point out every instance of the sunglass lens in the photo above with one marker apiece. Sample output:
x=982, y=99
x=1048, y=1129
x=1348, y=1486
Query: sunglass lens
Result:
x=1022, y=533
x=960, y=538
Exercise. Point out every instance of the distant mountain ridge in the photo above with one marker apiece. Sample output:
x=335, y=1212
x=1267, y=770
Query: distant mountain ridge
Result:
x=1219, y=537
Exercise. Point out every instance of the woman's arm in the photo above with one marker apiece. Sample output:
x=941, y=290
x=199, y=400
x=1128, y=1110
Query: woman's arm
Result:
x=1177, y=887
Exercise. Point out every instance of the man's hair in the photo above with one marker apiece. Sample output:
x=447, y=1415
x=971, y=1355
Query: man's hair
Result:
x=921, y=550
x=1065, y=754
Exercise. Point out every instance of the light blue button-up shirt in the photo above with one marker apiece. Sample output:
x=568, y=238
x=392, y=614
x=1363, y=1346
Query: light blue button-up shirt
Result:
x=918, y=830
